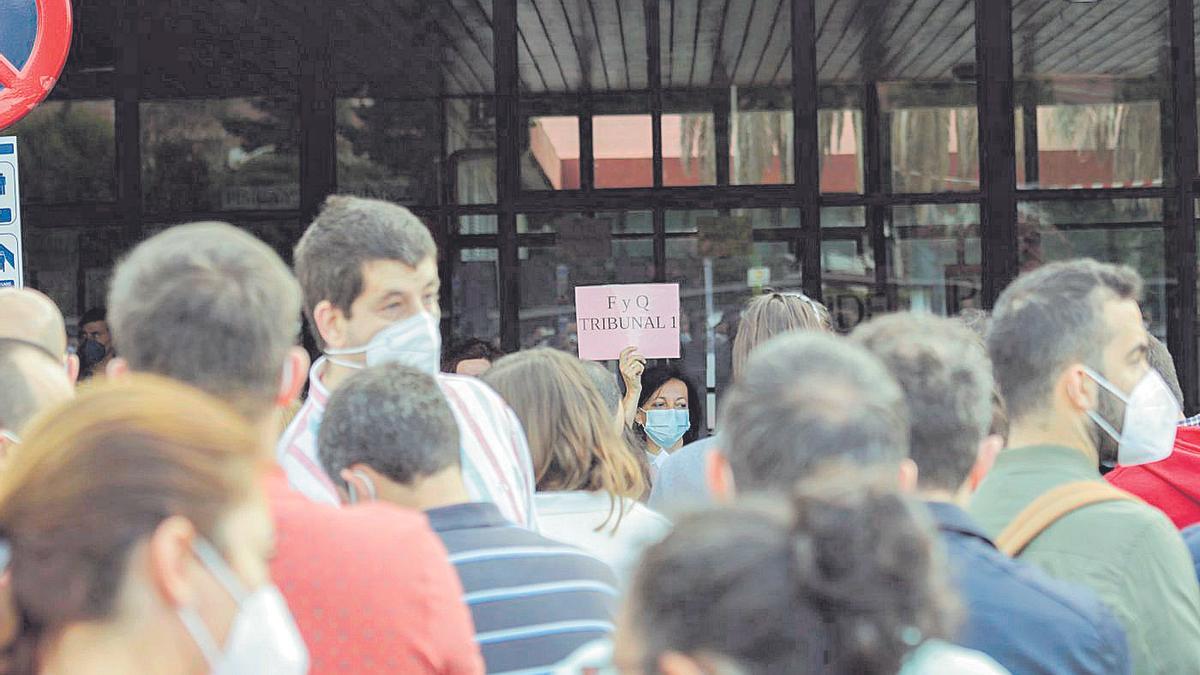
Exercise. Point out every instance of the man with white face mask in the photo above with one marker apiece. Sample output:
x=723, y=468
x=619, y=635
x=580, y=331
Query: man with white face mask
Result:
x=370, y=587
x=1069, y=349
x=368, y=270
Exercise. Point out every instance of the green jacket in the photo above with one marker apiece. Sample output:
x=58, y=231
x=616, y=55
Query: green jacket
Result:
x=1129, y=553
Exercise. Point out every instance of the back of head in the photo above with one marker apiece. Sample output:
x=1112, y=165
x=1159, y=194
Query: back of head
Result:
x=1048, y=319
x=33, y=380
x=209, y=305
x=349, y=232
x=947, y=381
x=570, y=430
x=839, y=584
x=606, y=384
x=31, y=316
x=806, y=399
x=470, y=349
x=772, y=314
x=1164, y=364
x=393, y=419
x=96, y=478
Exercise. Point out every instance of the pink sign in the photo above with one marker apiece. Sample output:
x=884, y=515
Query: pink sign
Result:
x=611, y=318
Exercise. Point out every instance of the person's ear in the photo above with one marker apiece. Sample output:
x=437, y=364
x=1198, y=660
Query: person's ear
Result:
x=72, y=366
x=719, y=476
x=674, y=663
x=908, y=476
x=170, y=563
x=117, y=368
x=291, y=382
x=989, y=448
x=640, y=417
x=1078, y=389
x=331, y=324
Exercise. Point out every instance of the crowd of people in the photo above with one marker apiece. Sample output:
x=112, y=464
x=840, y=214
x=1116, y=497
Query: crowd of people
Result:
x=987, y=494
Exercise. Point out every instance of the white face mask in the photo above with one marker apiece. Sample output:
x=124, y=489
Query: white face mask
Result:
x=1151, y=415
x=264, y=638
x=12, y=437
x=415, y=342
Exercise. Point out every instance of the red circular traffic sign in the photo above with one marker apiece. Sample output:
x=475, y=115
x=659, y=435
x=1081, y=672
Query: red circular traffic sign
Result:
x=25, y=88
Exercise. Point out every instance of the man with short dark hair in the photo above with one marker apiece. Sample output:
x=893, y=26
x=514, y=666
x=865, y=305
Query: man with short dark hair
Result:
x=471, y=356
x=1027, y=621
x=368, y=270
x=95, y=343
x=1173, y=484
x=370, y=587
x=389, y=434
x=804, y=401
x=1069, y=349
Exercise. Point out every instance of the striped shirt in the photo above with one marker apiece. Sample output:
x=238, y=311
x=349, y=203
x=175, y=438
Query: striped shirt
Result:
x=535, y=601
x=495, y=455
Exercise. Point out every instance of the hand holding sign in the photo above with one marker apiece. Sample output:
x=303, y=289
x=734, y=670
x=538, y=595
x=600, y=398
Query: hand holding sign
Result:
x=612, y=318
x=632, y=366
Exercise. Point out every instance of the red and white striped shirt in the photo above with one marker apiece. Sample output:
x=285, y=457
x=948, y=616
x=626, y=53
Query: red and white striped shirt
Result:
x=496, y=463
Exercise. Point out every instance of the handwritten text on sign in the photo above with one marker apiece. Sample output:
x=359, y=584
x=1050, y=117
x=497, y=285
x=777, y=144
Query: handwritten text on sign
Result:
x=611, y=318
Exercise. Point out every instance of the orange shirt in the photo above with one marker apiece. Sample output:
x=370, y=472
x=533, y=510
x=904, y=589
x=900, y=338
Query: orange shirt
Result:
x=371, y=588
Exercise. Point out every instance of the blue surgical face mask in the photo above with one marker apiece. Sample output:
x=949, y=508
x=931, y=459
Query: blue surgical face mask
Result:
x=666, y=427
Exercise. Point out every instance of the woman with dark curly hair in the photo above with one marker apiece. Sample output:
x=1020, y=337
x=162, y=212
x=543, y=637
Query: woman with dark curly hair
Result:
x=847, y=581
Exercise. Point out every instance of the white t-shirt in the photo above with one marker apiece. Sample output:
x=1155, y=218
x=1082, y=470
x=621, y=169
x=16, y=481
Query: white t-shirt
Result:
x=573, y=518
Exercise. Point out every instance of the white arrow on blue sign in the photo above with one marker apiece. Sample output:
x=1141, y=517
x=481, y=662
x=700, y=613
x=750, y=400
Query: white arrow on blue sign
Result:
x=12, y=268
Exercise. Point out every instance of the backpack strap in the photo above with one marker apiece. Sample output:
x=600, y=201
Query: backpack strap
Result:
x=1052, y=507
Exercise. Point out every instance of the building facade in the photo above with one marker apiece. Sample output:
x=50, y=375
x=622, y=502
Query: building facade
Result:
x=879, y=154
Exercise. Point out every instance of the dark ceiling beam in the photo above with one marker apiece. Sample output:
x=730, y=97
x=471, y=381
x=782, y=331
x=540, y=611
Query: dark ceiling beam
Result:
x=550, y=42
x=599, y=45
x=670, y=46
x=1102, y=52
x=841, y=38
x=777, y=28
x=737, y=61
x=931, y=44
x=944, y=60
x=695, y=44
x=1065, y=46
x=579, y=57
x=624, y=46
x=889, y=66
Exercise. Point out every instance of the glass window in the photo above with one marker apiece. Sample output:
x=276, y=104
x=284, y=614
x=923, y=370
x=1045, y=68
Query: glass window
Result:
x=920, y=61
x=219, y=155
x=549, y=275
x=623, y=151
x=935, y=258
x=68, y=152
x=761, y=137
x=689, y=143
x=471, y=150
x=848, y=267
x=713, y=291
x=723, y=225
x=934, y=148
x=478, y=224
x=389, y=149
x=551, y=157
x=475, y=295
x=1126, y=231
x=52, y=260
x=223, y=49
x=1089, y=101
x=412, y=48
x=606, y=222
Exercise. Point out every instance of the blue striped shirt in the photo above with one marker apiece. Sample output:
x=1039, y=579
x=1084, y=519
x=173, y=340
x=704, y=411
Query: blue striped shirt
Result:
x=535, y=601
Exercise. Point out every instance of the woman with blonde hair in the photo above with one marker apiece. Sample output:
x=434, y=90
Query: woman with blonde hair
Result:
x=588, y=478
x=136, y=539
x=680, y=483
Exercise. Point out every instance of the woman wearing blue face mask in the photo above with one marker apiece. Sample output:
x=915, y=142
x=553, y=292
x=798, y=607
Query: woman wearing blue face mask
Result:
x=668, y=412
x=136, y=538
